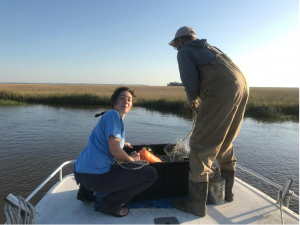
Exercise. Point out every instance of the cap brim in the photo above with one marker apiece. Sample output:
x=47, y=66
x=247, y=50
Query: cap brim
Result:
x=172, y=43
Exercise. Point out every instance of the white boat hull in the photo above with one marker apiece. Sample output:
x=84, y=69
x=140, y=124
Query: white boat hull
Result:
x=60, y=206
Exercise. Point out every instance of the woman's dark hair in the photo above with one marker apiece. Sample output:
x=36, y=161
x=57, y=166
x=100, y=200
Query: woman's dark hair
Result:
x=117, y=92
x=115, y=95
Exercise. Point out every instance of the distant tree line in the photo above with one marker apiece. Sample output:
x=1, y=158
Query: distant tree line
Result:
x=174, y=84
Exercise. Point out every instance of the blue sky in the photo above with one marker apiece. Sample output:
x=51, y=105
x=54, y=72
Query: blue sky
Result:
x=126, y=41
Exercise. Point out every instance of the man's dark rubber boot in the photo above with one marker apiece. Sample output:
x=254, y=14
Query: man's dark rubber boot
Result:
x=229, y=176
x=196, y=203
x=85, y=195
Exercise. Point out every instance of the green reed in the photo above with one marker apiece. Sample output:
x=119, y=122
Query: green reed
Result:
x=56, y=99
x=260, y=105
x=165, y=104
x=278, y=106
x=4, y=102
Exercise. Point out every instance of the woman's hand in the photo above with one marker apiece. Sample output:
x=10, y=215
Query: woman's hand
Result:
x=135, y=157
x=127, y=145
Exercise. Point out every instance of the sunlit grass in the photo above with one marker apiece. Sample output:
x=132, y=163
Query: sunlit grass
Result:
x=4, y=102
x=273, y=103
x=277, y=103
x=148, y=92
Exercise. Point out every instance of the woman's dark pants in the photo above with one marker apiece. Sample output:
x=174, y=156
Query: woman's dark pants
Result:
x=122, y=185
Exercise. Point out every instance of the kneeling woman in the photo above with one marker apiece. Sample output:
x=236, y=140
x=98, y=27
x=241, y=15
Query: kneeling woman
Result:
x=94, y=168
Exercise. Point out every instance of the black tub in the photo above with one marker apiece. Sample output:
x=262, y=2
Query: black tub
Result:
x=172, y=178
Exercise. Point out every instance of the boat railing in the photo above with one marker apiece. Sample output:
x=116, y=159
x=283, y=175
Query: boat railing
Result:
x=280, y=188
x=17, y=202
x=59, y=169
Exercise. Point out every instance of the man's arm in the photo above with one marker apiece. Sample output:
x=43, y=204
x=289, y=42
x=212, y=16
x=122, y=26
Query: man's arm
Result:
x=189, y=75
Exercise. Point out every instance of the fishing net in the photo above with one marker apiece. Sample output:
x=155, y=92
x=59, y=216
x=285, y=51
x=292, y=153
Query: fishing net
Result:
x=181, y=150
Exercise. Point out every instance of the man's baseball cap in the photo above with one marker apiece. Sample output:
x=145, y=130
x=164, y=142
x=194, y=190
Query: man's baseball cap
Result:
x=183, y=31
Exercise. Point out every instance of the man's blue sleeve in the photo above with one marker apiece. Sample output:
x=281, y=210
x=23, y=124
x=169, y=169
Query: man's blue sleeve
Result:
x=189, y=74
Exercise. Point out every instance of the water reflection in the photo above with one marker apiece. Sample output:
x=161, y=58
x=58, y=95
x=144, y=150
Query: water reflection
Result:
x=268, y=121
x=37, y=139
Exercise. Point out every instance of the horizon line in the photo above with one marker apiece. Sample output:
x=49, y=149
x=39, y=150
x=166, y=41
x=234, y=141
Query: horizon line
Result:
x=120, y=84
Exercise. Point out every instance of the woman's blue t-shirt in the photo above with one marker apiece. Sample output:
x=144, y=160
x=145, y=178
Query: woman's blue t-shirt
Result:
x=96, y=157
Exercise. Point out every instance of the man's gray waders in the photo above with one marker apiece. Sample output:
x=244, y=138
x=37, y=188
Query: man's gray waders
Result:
x=224, y=93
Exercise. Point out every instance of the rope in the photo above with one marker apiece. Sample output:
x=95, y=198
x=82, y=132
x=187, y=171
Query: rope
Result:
x=281, y=211
x=193, y=126
x=14, y=215
x=133, y=165
x=171, y=150
x=280, y=200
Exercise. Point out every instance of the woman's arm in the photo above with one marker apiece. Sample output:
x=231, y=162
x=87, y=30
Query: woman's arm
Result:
x=118, y=152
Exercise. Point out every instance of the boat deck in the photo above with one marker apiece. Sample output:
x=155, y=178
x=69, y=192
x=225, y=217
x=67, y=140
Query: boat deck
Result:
x=60, y=206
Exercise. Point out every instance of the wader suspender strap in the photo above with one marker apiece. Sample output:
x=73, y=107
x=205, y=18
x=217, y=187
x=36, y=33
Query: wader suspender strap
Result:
x=214, y=50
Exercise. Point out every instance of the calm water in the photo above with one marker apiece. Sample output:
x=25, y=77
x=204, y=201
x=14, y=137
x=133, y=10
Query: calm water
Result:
x=35, y=140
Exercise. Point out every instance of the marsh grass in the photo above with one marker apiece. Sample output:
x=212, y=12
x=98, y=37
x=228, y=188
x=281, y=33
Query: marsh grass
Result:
x=4, y=102
x=146, y=92
x=272, y=103
x=56, y=99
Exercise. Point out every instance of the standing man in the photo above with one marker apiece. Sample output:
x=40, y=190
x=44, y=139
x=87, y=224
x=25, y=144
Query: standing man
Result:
x=208, y=73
